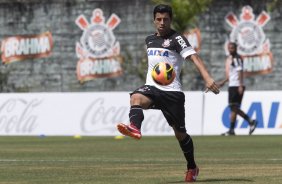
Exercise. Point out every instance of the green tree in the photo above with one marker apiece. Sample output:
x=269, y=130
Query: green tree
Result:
x=273, y=5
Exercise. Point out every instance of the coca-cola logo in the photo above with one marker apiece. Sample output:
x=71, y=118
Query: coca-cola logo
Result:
x=99, y=117
x=16, y=115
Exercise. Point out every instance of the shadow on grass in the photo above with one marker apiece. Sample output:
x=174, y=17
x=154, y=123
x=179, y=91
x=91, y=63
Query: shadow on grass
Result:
x=214, y=180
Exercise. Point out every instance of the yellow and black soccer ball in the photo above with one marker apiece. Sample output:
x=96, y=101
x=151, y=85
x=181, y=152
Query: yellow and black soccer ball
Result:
x=163, y=73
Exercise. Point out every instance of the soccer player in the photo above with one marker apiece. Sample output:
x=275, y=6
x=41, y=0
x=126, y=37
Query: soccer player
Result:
x=166, y=45
x=234, y=74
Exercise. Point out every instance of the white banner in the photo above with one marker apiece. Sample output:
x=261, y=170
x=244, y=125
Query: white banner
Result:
x=83, y=114
x=264, y=106
x=97, y=114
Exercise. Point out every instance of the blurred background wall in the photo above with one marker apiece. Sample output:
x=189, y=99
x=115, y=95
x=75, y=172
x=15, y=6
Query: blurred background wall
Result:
x=57, y=71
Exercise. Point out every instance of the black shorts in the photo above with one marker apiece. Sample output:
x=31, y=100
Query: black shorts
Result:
x=234, y=98
x=171, y=103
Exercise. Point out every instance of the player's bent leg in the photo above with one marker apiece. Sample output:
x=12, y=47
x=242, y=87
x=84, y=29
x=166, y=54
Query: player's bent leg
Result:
x=252, y=123
x=140, y=100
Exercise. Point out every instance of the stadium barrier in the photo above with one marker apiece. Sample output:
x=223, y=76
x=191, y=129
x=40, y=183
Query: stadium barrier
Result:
x=97, y=113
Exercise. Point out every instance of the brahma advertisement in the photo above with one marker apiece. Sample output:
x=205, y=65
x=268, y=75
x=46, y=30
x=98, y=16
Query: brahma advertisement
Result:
x=194, y=38
x=21, y=47
x=98, y=50
x=247, y=32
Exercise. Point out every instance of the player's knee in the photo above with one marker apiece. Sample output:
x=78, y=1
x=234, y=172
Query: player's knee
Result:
x=141, y=100
x=234, y=107
x=135, y=99
x=179, y=135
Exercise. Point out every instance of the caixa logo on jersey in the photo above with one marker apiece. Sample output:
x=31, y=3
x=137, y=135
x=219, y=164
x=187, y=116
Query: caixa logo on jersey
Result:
x=252, y=44
x=266, y=113
x=98, y=50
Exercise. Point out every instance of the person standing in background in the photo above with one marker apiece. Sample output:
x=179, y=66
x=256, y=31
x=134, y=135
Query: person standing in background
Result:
x=235, y=77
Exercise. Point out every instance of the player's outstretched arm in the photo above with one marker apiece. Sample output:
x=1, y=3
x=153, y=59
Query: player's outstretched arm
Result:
x=210, y=84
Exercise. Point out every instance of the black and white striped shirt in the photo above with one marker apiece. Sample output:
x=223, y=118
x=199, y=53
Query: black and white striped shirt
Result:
x=235, y=67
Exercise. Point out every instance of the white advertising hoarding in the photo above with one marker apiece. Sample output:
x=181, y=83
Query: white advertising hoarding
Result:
x=97, y=114
x=264, y=106
x=84, y=114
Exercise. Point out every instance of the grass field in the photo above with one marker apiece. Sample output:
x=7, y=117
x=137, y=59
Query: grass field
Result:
x=57, y=160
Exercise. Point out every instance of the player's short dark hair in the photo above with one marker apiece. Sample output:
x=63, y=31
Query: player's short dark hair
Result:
x=163, y=8
x=234, y=44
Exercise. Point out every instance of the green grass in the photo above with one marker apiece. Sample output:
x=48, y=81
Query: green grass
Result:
x=57, y=160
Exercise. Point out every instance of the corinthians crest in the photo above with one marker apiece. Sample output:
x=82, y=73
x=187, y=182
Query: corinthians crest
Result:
x=98, y=50
x=248, y=33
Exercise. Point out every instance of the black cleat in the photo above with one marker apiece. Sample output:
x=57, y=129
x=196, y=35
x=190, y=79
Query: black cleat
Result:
x=229, y=133
x=253, y=126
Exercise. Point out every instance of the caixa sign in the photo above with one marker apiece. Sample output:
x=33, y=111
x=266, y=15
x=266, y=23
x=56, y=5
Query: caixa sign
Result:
x=267, y=116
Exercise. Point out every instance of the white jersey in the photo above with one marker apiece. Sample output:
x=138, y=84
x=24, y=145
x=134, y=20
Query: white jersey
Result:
x=174, y=49
x=235, y=68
